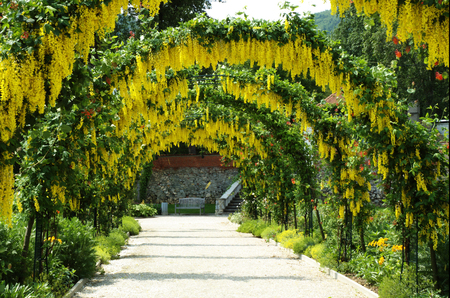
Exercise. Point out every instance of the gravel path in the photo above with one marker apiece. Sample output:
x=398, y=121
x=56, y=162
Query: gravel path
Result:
x=203, y=256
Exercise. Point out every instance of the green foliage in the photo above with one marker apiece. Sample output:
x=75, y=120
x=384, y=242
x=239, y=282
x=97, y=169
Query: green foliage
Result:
x=256, y=227
x=286, y=235
x=102, y=254
x=317, y=251
x=142, y=210
x=77, y=248
x=34, y=290
x=365, y=37
x=60, y=278
x=404, y=286
x=11, y=241
x=110, y=245
x=131, y=225
x=146, y=173
x=237, y=217
x=302, y=244
x=271, y=232
x=325, y=21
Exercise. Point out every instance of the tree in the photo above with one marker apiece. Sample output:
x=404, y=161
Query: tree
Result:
x=365, y=37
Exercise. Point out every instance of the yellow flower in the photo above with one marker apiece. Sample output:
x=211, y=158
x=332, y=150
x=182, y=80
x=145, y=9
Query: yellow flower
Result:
x=381, y=261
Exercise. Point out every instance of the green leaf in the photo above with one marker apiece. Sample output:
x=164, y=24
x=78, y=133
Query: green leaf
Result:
x=66, y=128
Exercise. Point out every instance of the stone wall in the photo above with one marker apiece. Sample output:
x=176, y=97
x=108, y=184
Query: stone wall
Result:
x=170, y=184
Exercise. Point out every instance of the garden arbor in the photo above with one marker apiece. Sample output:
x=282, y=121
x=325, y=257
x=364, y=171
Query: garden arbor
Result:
x=96, y=117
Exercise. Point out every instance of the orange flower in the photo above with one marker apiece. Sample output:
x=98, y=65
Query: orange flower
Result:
x=395, y=39
x=398, y=54
x=439, y=76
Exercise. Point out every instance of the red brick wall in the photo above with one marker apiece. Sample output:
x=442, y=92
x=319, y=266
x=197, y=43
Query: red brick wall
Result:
x=187, y=161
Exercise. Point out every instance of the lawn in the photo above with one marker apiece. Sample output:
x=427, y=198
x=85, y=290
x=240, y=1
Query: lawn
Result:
x=209, y=208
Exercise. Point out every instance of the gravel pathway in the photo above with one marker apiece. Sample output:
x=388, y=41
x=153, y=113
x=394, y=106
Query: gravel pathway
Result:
x=203, y=256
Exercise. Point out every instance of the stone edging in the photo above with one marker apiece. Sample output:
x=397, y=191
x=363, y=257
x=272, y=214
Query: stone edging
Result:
x=80, y=284
x=76, y=288
x=331, y=272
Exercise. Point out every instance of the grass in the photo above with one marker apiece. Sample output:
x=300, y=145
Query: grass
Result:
x=209, y=208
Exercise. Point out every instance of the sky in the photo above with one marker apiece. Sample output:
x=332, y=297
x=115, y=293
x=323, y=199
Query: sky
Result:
x=262, y=9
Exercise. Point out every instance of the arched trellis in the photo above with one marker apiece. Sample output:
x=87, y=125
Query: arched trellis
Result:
x=300, y=50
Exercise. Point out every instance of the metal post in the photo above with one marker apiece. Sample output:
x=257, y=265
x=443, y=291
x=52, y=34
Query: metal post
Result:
x=37, y=247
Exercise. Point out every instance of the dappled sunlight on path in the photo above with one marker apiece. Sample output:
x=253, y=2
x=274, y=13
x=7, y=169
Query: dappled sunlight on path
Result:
x=203, y=256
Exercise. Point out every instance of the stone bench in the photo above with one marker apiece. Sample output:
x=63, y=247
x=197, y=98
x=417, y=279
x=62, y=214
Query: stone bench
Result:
x=191, y=203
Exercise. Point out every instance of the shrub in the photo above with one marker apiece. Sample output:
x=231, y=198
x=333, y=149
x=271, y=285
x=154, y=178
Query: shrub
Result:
x=142, y=210
x=302, y=244
x=247, y=227
x=237, y=217
x=131, y=225
x=60, y=278
x=111, y=244
x=286, y=235
x=270, y=232
x=34, y=290
x=259, y=228
x=77, y=248
x=392, y=287
x=11, y=241
x=102, y=255
x=318, y=251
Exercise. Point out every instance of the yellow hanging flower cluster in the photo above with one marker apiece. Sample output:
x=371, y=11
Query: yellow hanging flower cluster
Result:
x=427, y=24
x=6, y=192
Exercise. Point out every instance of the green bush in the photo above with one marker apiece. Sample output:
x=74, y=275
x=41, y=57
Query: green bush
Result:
x=142, y=210
x=102, y=255
x=256, y=227
x=130, y=225
x=247, y=227
x=60, y=278
x=236, y=217
x=34, y=290
x=318, y=251
x=11, y=241
x=286, y=235
x=77, y=248
x=111, y=244
x=270, y=232
x=392, y=287
x=302, y=244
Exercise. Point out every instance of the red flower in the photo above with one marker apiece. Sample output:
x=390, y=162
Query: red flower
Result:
x=408, y=49
x=131, y=34
x=57, y=211
x=436, y=63
x=395, y=39
x=424, y=46
x=361, y=168
x=25, y=35
x=398, y=54
x=312, y=200
x=439, y=76
x=271, y=144
x=315, y=208
x=288, y=123
x=108, y=81
x=293, y=181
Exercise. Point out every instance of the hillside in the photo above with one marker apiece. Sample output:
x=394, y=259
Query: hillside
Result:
x=325, y=21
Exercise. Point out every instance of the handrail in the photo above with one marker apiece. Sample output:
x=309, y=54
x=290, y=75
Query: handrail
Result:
x=226, y=198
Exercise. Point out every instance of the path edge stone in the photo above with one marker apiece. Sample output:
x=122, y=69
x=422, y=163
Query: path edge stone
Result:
x=332, y=273
x=80, y=284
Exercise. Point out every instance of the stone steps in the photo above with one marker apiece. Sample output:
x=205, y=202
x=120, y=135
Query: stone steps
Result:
x=234, y=205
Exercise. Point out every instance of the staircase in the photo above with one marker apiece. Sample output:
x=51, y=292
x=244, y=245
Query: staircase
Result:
x=234, y=205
